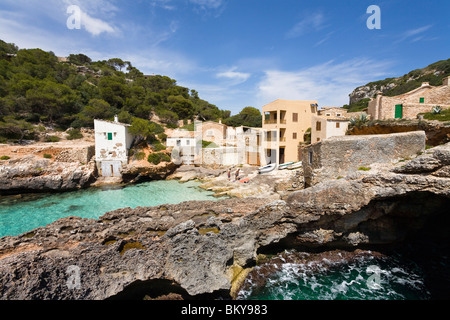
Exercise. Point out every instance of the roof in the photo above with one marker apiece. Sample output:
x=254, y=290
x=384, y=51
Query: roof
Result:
x=113, y=122
x=291, y=103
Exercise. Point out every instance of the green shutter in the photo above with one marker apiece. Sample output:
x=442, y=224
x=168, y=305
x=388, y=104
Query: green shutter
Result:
x=422, y=100
x=398, y=111
x=110, y=136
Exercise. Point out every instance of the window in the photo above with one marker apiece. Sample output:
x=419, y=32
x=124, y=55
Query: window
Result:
x=188, y=142
x=294, y=136
x=295, y=117
x=310, y=157
x=422, y=100
x=328, y=115
x=179, y=143
x=338, y=125
x=318, y=139
x=209, y=133
x=318, y=126
x=338, y=114
x=110, y=136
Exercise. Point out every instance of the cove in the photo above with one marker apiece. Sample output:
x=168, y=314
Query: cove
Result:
x=20, y=214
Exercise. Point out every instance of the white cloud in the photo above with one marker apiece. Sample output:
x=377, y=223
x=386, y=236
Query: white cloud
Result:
x=414, y=33
x=330, y=83
x=311, y=22
x=95, y=26
x=208, y=4
x=232, y=74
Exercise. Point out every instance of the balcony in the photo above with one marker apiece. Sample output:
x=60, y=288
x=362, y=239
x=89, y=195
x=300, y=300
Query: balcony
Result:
x=270, y=121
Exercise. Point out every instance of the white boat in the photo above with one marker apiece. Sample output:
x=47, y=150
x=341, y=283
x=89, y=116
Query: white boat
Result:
x=295, y=165
x=267, y=168
x=285, y=165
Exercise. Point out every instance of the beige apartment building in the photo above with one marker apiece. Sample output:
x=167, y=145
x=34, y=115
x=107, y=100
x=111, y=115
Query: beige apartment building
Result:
x=289, y=119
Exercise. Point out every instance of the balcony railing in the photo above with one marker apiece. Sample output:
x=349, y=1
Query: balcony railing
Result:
x=274, y=122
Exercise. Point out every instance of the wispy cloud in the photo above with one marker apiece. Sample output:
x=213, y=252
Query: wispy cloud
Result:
x=330, y=83
x=414, y=34
x=309, y=23
x=235, y=76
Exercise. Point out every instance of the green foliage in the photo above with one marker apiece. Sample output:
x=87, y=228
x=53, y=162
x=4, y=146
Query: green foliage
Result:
x=52, y=139
x=139, y=155
x=36, y=88
x=249, y=117
x=358, y=106
x=359, y=121
x=208, y=144
x=443, y=115
x=364, y=169
x=4, y=158
x=12, y=128
x=47, y=156
x=157, y=158
x=158, y=146
x=74, y=134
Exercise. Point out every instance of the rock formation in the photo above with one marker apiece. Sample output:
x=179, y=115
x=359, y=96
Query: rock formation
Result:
x=198, y=248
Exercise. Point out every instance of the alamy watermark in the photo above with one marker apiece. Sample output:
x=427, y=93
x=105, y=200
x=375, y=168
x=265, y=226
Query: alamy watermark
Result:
x=374, y=281
x=74, y=20
x=74, y=277
x=374, y=21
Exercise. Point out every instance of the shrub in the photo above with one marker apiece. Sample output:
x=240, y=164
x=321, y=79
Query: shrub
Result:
x=3, y=158
x=154, y=158
x=47, y=156
x=158, y=147
x=364, y=169
x=74, y=134
x=157, y=158
x=52, y=139
x=139, y=156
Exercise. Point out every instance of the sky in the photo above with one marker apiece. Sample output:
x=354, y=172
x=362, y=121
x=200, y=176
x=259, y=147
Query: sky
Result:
x=239, y=53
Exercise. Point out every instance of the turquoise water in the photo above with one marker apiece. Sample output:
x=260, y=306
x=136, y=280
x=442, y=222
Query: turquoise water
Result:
x=20, y=215
x=396, y=278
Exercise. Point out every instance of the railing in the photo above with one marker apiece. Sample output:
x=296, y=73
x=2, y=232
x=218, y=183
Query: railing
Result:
x=270, y=121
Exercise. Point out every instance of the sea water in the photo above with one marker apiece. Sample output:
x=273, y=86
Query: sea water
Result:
x=21, y=214
x=393, y=277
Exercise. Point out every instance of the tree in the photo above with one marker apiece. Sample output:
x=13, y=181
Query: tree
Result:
x=145, y=130
x=79, y=59
x=15, y=129
x=249, y=117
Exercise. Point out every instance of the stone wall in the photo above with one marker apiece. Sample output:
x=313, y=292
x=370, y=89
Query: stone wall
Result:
x=81, y=155
x=382, y=108
x=339, y=156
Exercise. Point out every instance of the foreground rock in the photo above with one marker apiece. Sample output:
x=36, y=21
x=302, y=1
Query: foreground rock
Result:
x=199, y=248
x=34, y=174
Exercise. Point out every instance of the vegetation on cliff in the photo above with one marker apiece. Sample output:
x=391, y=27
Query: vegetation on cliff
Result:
x=36, y=88
x=434, y=74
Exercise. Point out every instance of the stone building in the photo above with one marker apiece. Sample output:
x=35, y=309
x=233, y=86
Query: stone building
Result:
x=410, y=104
x=339, y=156
x=290, y=119
x=112, y=143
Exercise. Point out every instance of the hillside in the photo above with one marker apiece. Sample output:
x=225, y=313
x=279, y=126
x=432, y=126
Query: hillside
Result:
x=39, y=90
x=434, y=73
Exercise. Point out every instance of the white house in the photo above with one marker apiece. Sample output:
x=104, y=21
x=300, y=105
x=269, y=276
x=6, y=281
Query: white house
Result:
x=112, y=143
x=186, y=143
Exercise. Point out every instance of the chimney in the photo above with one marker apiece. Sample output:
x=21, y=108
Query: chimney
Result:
x=425, y=84
x=220, y=121
x=116, y=118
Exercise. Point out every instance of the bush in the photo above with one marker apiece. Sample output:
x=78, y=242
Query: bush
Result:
x=74, y=134
x=154, y=158
x=47, y=156
x=139, y=156
x=157, y=158
x=158, y=147
x=3, y=158
x=52, y=139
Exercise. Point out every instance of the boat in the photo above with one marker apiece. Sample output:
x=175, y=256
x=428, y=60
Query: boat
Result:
x=296, y=165
x=285, y=165
x=267, y=168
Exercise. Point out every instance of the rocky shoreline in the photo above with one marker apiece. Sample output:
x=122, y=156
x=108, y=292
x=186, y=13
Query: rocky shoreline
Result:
x=206, y=249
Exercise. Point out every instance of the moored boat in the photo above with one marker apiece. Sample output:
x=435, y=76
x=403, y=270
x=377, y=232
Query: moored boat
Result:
x=267, y=168
x=296, y=165
x=285, y=165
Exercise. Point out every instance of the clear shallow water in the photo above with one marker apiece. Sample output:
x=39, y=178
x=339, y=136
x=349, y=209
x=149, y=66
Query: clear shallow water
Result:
x=398, y=279
x=20, y=215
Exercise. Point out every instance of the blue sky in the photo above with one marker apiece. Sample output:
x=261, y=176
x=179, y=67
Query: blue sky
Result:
x=239, y=53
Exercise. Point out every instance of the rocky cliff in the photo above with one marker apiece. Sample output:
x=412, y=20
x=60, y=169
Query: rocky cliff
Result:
x=199, y=248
